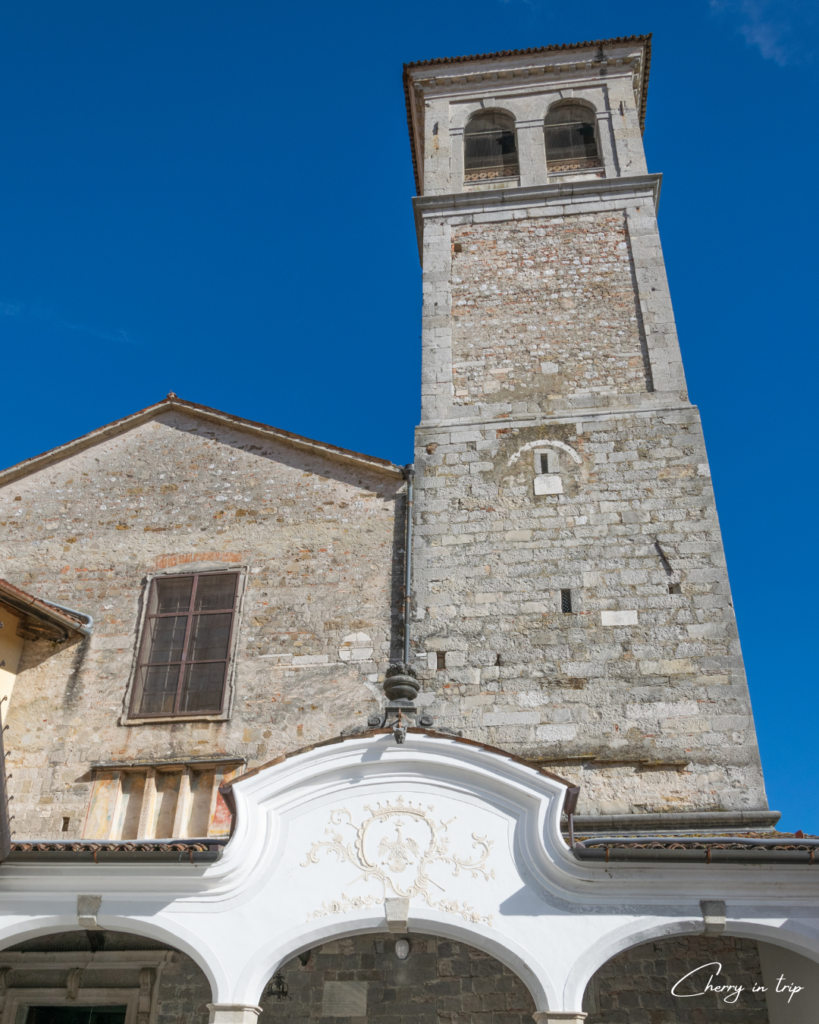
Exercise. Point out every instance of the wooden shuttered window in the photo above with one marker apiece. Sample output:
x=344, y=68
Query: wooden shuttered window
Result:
x=185, y=647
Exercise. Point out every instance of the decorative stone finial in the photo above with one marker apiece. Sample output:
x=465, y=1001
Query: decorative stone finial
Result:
x=401, y=683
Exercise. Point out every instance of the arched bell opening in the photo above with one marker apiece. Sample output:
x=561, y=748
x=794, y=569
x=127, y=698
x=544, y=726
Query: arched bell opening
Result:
x=385, y=978
x=718, y=979
x=99, y=976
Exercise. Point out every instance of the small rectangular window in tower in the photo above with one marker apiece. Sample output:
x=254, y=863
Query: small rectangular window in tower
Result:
x=185, y=648
x=674, y=588
x=566, y=601
x=549, y=462
x=440, y=661
x=66, y=823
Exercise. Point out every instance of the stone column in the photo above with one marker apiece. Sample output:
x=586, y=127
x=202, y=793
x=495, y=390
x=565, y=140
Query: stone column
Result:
x=532, y=152
x=146, y=814
x=605, y=140
x=232, y=1013
x=553, y=1016
x=456, y=159
x=183, y=801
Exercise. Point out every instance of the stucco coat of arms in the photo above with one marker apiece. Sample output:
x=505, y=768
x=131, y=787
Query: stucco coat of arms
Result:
x=394, y=846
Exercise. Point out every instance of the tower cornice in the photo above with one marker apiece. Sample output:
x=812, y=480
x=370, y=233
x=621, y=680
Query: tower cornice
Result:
x=509, y=200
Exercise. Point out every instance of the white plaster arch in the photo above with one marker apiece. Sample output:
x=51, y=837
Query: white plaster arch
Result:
x=626, y=937
x=546, y=443
x=505, y=880
x=264, y=962
x=638, y=932
x=171, y=933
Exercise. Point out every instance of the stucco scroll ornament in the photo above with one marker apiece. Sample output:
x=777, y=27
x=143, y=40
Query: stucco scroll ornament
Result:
x=400, y=839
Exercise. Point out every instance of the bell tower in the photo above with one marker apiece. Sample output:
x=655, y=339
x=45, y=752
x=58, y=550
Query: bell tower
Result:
x=571, y=599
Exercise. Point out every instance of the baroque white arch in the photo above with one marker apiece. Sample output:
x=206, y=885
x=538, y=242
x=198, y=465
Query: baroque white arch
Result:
x=469, y=835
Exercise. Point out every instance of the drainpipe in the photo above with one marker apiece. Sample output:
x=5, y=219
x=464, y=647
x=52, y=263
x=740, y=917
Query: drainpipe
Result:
x=409, y=476
x=87, y=629
x=401, y=681
x=5, y=821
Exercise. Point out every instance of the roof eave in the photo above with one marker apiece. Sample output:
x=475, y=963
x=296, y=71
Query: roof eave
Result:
x=26, y=605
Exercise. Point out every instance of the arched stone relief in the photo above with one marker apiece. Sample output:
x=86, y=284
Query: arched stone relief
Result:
x=547, y=475
x=545, y=443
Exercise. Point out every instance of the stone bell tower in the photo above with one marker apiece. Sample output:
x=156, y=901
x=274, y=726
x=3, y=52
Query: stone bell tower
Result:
x=572, y=601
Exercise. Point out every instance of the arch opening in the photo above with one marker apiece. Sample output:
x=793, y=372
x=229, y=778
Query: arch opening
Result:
x=100, y=976
x=419, y=978
x=490, y=147
x=716, y=978
x=571, y=137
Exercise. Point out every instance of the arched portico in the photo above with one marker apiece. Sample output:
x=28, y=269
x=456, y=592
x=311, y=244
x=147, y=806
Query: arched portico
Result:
x=508, y=953
x=787, y=935
x=435, y=837
x=174, y=936
x=383, y=976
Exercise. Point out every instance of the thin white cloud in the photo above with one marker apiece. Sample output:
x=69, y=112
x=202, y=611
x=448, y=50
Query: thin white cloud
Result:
x=783, y=31
x=38, y=314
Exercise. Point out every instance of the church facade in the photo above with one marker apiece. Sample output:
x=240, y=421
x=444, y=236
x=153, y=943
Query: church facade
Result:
x=294, y=731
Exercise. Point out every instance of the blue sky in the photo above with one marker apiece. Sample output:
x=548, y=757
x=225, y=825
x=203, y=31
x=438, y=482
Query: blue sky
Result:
x=214, y=199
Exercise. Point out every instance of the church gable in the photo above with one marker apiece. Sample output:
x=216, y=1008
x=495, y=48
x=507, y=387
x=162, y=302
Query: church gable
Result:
x=303, y=540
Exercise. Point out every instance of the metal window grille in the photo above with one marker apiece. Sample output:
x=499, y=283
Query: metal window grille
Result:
x=490, y=147
x=571, y=138
x=565, y=601
x=185, y=647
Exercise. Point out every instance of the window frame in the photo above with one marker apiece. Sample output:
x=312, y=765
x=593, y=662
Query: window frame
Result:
x=468, y=172
x=131, y=713
x=554, y=162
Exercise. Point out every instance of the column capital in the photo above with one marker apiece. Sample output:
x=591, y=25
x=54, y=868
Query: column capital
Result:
x=554, y=1016
x=232, y=1013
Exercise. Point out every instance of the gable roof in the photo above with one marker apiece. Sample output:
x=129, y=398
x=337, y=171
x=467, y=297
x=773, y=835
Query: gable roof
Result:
x=553, y=47
x=175, y=404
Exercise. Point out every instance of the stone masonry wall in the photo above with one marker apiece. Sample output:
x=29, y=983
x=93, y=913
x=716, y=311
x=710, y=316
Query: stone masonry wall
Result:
x=542, y=309
x=649, y=716
x=635, y=987
x=184, y=991
x=315, y=539
x=441, y=982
